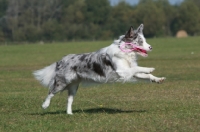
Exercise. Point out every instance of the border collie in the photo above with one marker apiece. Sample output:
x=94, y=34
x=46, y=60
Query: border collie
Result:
x=115, y=63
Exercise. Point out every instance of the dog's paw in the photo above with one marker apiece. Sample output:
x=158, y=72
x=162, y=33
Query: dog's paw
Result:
x=159, y=80
x=150, y=70
x=45, y=104
x=69, y=113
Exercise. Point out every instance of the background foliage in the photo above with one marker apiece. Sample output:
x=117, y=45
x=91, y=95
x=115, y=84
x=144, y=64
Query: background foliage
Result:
x=61, y=20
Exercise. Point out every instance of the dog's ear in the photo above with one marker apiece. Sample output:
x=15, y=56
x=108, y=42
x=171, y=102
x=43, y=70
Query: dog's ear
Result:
x=140, y=28
x=130, y=33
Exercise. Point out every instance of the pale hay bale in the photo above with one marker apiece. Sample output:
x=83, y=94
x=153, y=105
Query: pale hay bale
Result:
x=181, y=34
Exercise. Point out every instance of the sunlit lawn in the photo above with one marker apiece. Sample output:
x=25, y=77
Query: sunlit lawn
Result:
x=143, y=106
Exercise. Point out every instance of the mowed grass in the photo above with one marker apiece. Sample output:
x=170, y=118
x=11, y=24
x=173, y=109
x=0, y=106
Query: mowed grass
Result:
x=171, y=106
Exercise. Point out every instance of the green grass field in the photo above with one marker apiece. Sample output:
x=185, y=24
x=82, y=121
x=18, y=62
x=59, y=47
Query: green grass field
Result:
x=173, y=106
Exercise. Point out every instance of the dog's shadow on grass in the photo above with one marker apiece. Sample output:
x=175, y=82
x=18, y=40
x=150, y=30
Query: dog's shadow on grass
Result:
x=92, y=111
x=107, y=110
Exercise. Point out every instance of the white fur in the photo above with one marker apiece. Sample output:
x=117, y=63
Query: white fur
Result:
x=146, y=46
x=46, y=75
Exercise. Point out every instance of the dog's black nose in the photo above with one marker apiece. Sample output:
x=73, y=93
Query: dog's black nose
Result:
x=150, y=48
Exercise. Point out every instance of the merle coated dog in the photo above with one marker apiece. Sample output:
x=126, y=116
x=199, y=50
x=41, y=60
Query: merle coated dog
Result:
x=115, y=63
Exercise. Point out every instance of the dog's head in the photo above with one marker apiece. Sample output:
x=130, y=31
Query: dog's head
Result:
x=134, y=40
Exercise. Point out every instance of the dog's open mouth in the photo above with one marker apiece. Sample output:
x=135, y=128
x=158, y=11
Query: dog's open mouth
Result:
x=141, y=52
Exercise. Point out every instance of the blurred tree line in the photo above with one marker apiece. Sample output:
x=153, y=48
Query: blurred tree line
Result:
x=63, y=20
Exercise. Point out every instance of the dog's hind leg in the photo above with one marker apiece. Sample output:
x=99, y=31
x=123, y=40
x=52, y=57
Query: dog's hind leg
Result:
x=58, y=86
x=72, y=89
x=47, y=100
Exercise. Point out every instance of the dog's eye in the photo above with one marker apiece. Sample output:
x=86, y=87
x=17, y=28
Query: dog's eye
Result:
x=140, y=41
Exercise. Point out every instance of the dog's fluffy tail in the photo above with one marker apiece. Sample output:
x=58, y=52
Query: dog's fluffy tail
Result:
x=46, y=75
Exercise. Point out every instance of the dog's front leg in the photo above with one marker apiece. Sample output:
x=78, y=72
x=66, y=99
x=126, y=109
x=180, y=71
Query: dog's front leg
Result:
x=144, y=69
x=150, y=76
